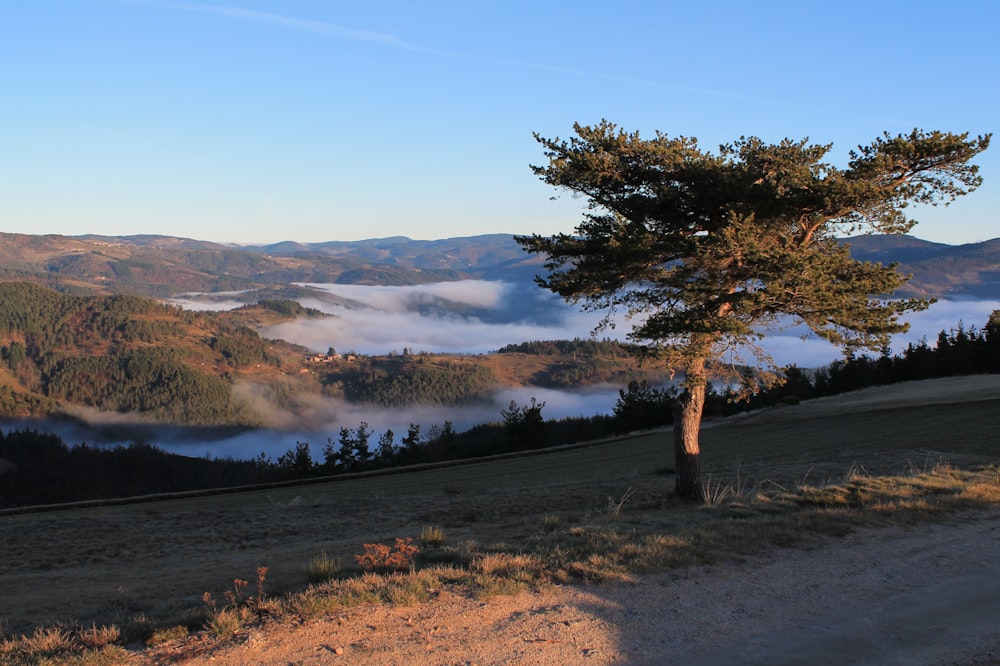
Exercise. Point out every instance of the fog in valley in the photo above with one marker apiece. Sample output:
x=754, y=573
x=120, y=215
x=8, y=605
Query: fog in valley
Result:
x=476, y=317
x=467, y=317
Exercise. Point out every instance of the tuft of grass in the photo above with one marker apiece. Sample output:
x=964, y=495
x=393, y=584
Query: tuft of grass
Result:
x=168, y=634
x=109, y=655
x=716, y=493
x=322, y=568
x=985, y=489
x=96, y=637
x=505, y=564
x=228, y=621
x=551, y=522
x=402, y=588
x=48, y=642
x=431, y=536
x=615, y=505
x=485, y=587
x=48, y=645
x=856, y=472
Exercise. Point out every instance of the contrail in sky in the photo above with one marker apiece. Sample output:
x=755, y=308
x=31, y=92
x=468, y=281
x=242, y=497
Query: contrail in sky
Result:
x=341, y=32
x=392, y=41
x=303, y=25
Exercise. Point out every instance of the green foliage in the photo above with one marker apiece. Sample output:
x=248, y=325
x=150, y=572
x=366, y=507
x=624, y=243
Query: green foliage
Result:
x=408, y=382
x=711, y=248
x=352, y=452
x=14, y=354
x=643, y=406
x=574, y=347
x=963, y=351
x=289, y=307
x=150, y=380
x=577, y=362
x=241, y=346
x=385, y=453
x=297, y=461
x=525, y=424
x=119, y=353
x=19, y=404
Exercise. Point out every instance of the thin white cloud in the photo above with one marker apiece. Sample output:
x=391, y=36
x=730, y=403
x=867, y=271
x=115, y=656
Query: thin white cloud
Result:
x=369, y=36
x=282, y=21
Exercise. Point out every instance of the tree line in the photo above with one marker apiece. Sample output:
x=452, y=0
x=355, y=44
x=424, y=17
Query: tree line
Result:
x=43, y=469
x=409, y=380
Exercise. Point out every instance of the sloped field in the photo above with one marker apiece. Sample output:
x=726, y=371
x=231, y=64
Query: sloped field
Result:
x=157, y=559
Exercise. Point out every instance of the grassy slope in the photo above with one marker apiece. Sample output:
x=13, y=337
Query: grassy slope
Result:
x=106, y=555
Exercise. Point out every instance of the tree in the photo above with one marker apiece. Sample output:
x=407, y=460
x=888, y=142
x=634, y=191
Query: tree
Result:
x=362, y=452
x=346, y=453
x=524, y=424
x=410, y=452
x=711, y=248
x=643, y=406
x=386, y=451
x=297, y=460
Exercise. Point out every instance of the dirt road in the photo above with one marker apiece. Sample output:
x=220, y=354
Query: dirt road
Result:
x=919, y=595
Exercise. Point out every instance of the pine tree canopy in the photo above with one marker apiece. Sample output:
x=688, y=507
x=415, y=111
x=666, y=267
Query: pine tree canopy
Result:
x=709, y=248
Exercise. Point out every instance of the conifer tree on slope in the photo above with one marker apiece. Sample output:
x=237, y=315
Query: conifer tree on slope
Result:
x=706, y=249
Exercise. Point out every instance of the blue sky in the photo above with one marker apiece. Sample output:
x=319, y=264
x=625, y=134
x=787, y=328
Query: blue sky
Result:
x=256, y=121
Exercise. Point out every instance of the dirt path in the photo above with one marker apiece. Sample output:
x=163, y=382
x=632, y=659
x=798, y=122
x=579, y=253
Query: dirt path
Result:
x=918, y=595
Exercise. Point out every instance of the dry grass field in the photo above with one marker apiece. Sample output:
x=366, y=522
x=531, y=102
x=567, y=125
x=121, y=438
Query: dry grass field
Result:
x=151, y=563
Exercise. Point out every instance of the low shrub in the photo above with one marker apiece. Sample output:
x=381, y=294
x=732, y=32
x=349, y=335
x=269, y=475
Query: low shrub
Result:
x=379, y=557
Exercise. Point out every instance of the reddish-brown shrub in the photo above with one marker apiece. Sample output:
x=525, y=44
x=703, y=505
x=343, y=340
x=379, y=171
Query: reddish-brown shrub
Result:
x=379, y=557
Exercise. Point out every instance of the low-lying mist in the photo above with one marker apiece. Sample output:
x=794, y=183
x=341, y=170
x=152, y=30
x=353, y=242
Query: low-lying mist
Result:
x=468, y=317
x=478, y=316
x=558, y=404
x=322, y=421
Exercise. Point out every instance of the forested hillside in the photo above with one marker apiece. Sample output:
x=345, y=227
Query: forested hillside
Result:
x=160, y=363
x=451, y=379
x=122, y=354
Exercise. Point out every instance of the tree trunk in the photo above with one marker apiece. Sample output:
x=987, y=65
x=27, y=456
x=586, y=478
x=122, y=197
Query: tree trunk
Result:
x=687, y=425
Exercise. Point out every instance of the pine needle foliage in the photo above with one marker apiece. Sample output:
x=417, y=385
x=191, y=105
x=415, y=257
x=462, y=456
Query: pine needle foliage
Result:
x=707, y=249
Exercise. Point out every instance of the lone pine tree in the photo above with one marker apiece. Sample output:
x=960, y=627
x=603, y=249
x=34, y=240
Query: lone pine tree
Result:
x=709, y=249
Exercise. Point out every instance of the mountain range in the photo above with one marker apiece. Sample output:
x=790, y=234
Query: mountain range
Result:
x=164, y=266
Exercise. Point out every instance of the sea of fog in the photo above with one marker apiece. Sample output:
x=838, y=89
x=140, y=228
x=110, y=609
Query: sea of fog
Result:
x=474, y=317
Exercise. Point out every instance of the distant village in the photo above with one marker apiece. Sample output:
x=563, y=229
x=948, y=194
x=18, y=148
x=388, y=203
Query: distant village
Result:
x=330, y=357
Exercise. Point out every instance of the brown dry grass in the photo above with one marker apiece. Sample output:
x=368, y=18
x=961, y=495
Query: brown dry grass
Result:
x=588, y=513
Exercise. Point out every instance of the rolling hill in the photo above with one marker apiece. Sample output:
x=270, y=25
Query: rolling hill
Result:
x=163, y=266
